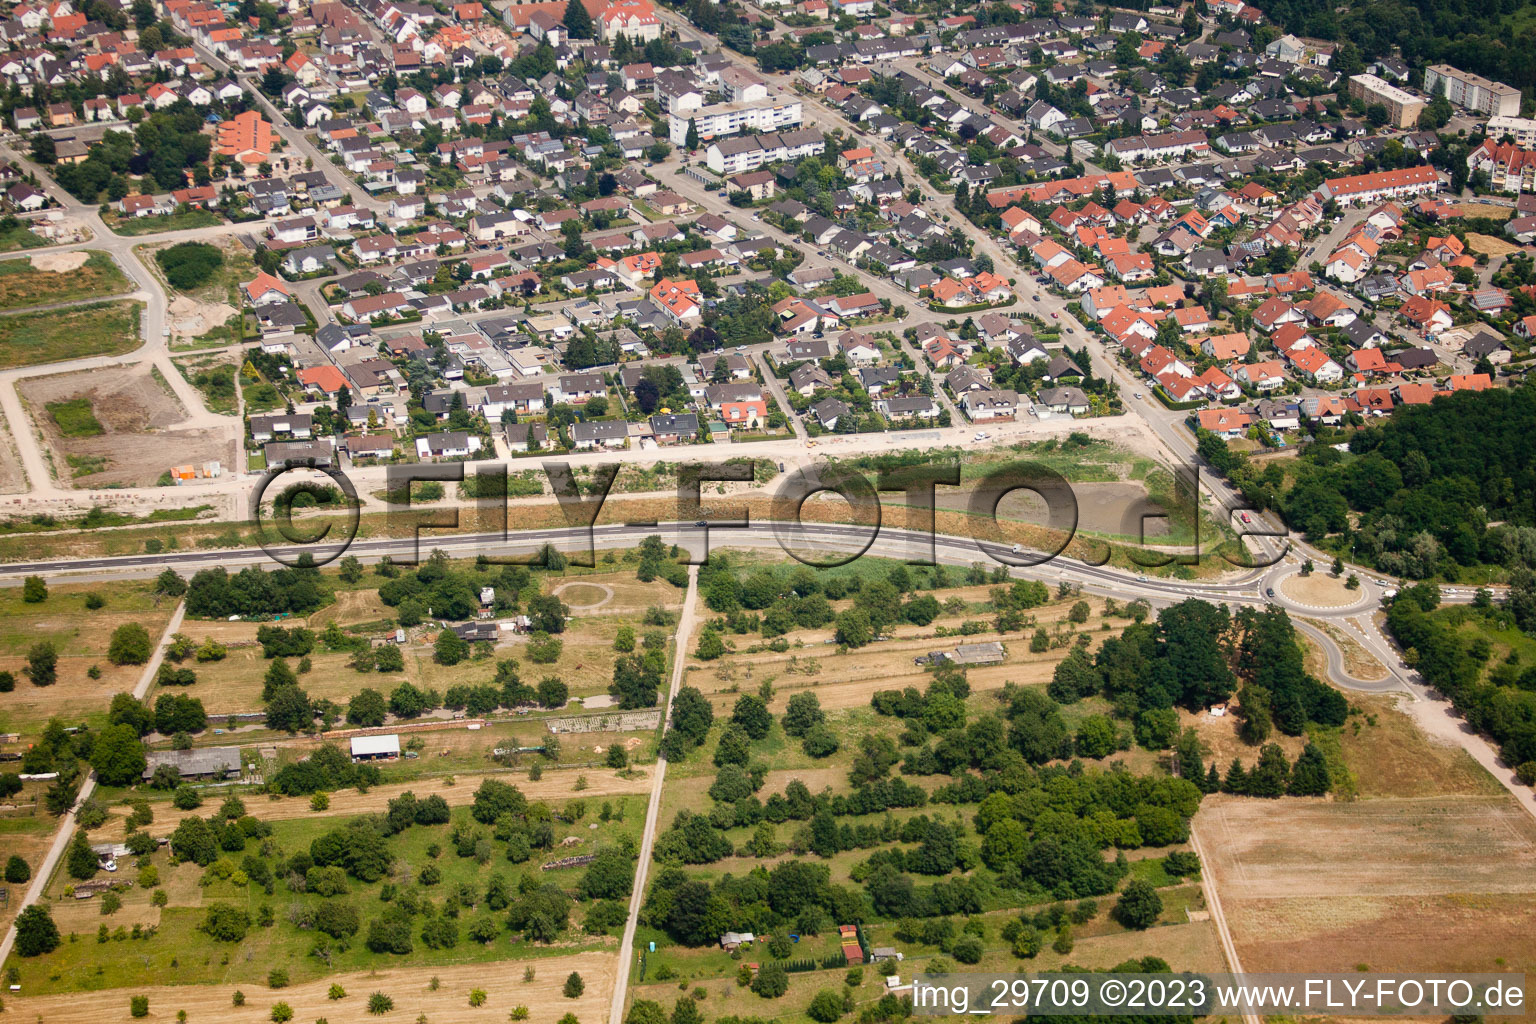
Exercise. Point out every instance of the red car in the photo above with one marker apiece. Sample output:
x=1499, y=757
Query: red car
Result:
x=1055, y=316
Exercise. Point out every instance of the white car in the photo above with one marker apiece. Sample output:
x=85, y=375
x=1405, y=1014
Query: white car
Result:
x=981, y=436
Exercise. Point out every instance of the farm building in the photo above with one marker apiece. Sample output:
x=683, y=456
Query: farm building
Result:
x=989, y=653
x=374, y=748
x=880, y=953
x=198, y=763
x=735, y=940
x=854, y=954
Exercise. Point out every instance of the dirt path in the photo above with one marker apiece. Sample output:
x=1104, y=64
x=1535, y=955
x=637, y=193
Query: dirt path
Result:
x=407, y=986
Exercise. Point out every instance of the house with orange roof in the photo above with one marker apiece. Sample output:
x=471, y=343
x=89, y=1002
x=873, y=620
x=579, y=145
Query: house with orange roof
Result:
x=1169, y=295
x=1370, y=361
x=1444, y=248
x=1130, y=266
x=1314, y=364
x=326, y=378
x=1427, y=315
x=1427, y=281
x=265, y=290
x=1191, y=319
x=1373, y=401
x=1218, y=385
x=1407, y=393
x=1098, y=302
x=679, y=299
x=1017, y=220
x=1075, y=277
x=246, y=138
x=1265, y=375
x=1328, y=310
x=1125, y=325
x=1226, y=347
x=1224, y=423
x=1469, y=382
x=1275, y=312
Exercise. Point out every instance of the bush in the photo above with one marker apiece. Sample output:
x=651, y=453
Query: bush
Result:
x=238, y=998
x=17, y=870
x=138, y=1006
x=379, y=1003
x=277, y=977
x=281, y=1013
x=336, y=992
x=967, y=950
x=130, y=645
x=477, y=997
x=826, y=1007
x=771, y=982
x=574, y=986
x=186, y=798
x=189, y=264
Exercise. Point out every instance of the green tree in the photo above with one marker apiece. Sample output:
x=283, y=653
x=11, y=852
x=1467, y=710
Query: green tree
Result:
x=118, y=756
x=450, y=648
x=34, y=590
x=691, y=141
x=81, y=860
x=36, y=933
x=711, y=646
x=17, y=870
x=130, y=645
x=42, y=666
x=826, y=1006
x=578, y=21
x=574, y=986
x=1139, y=905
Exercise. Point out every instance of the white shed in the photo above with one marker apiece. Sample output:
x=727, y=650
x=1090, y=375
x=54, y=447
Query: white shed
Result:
x=368, y=748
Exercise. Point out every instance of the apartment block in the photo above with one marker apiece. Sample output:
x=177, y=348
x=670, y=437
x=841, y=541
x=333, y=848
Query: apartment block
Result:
x=1473, y=91
x=1403, y=107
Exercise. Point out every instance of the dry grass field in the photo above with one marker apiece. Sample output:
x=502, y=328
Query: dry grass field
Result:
x=80, y=636
x=409, y=988
x=848, y=679
x=1431, y=867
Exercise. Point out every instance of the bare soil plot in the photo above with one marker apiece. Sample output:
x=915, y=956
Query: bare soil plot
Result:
x=1107, y=508
x=626, y=594
x=139, y=414
x=1393, y=847
x=13, y=478
x=408, y=987
x=25, y=831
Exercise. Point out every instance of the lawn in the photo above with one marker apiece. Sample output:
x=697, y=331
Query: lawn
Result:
x=178, y=221
x=22, y=284
x=76, y=418
x=103, y=329
x=214, y=379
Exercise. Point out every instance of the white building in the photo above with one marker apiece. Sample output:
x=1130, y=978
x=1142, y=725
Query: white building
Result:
x=729, y=118
x=1473, y=91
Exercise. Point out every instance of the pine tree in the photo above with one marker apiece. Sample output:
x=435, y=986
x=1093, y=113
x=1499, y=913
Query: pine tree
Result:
x=578, y=22
x=1310, y=776
x=691, y=141
x=1212, y=781
x=1236, y=780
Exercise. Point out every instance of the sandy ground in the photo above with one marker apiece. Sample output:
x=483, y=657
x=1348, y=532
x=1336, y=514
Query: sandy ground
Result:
x=190, y=318
x=1319, y=590
x=60, y=262
x=408, y=987
x=1492, y=211
x=555, y=785
x=13, y=478
x=139, y=414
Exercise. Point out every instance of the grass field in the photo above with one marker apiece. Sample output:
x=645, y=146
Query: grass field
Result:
x=75, y=418
x=180, y=951
x=179, y=221
x=22, y=284
x=19, y=237
x=106, y=328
